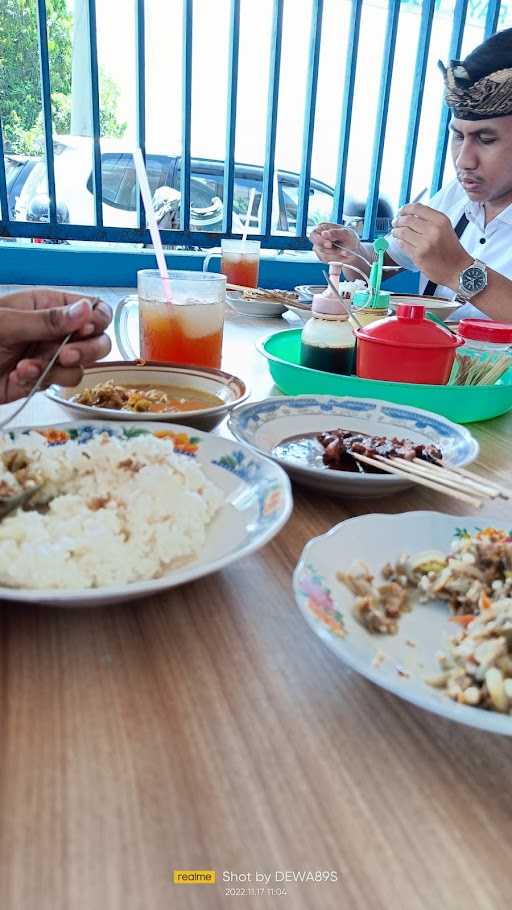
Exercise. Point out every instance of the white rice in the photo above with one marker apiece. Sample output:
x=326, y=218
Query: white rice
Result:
x=156, y=509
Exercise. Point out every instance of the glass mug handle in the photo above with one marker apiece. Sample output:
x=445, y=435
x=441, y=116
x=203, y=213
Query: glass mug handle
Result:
x=210, y=255
x=122, y=314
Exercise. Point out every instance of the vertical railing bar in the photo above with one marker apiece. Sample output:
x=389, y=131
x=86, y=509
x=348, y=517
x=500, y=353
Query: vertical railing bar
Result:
x=267, y=188
x=186, y=111
x=229, y=163
x=309, y=119
x=346, y=109
x=492, y=17
x=44, y=68
x=4, y=202
x=140, y=97
x=95, y=108
x=411, y=143
x=370, y=217
x=459, y=19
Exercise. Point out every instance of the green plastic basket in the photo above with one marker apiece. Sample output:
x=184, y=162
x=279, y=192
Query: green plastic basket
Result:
x=462, y=404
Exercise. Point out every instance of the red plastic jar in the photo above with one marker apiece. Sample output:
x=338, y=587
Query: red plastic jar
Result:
x=406, y=347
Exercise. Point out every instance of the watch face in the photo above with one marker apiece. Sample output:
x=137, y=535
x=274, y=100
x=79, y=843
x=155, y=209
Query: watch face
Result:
x=473, y=279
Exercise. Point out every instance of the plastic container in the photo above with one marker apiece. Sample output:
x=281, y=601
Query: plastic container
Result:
x=462, y=404
x=368, y=314
x=328, y=342
x=406, y=347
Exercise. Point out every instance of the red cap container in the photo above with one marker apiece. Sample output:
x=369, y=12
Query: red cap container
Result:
x=406, y=347
x=487, y=331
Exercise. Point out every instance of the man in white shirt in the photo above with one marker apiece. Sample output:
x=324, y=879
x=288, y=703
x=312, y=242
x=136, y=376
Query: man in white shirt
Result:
x=477, y=206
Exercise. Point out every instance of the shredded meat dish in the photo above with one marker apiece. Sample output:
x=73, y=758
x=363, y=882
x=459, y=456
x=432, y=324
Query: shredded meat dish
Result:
x=475, y=580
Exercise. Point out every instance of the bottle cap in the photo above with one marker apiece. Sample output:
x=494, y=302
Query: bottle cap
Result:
x=486, y=330
x=327, y=303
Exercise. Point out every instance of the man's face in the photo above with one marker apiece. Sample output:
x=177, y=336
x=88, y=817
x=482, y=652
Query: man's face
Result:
x=481, y=152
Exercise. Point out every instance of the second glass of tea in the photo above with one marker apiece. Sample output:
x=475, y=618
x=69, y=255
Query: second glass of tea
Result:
x=240, y=262
x=182, y=323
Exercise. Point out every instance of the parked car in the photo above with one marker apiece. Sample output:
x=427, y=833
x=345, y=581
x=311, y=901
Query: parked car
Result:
x=74, y=188
x=17, y=170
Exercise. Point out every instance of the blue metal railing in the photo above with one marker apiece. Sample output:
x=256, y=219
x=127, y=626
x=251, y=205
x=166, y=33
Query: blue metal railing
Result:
x=140, y=96
x=382, y=117
x=44, y=63
x=490, y=13
x=427, y=17
x=459, y=20
x=309, y=117
x=346, y=108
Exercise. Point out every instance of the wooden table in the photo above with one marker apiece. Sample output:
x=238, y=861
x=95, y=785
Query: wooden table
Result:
x=208, y=728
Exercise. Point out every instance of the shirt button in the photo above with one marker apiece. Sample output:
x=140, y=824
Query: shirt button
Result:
x=482, y=239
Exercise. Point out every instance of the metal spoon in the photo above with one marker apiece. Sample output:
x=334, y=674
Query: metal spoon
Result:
x=9, y=504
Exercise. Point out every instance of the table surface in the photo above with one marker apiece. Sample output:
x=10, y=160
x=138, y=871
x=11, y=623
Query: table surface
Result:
x=209, y=728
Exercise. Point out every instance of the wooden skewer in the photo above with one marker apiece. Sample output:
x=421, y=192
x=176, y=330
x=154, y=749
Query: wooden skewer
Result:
x=502, y=491
x=238, y=287
x=449, y=480
x=385, y=465
x=445, y=473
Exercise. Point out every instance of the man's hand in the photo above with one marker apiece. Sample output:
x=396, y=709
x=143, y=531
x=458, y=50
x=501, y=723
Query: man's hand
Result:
x=325, y=238
x=32, y=325
x=429, y=239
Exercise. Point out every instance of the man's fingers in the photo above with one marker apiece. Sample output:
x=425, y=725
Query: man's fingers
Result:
x=407, y=236
x=88, y=351
x=76, y=353
x=418, y=225
x=20, y=384
x=46, y=324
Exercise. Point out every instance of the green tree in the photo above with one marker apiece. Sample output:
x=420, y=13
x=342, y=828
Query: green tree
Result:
x=20, y=88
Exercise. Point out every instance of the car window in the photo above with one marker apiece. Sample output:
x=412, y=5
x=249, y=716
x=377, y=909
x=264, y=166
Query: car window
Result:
x=12, y=168
x=207, y=190
x=320, y=204
x=118, y=178
x=241, y=192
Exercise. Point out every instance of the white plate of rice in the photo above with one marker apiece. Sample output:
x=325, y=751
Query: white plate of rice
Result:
x=128, y=509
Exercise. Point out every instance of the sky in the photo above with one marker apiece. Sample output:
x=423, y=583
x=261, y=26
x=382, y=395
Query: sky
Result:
x=116, y=43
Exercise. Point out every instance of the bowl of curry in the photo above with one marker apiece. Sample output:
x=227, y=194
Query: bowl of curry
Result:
x=195, y=396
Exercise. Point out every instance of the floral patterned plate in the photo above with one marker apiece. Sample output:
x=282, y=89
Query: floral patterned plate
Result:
x=399, y=663
x=257, y=503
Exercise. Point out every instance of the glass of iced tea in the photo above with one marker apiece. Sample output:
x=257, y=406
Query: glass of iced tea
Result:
x=240, y=262
x=187, y=328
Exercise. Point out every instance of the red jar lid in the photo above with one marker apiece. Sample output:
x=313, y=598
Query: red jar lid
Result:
x=485, y=330
x=409, y=328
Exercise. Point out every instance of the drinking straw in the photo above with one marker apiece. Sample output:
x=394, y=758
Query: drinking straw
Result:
x=352, y=318
x=142, y=177
x=380, y=246
x=248, y=217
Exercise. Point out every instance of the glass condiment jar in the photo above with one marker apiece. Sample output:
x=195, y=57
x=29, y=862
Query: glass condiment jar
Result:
x=484, y=338
x=327, y=341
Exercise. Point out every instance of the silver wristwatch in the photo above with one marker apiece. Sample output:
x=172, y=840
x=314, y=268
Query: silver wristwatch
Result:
x=472, y=280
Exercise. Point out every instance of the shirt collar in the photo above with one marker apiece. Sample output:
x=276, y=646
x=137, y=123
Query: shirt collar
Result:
x=475, y=213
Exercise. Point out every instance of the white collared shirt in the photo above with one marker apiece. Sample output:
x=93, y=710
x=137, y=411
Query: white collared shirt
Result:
x=495, y=250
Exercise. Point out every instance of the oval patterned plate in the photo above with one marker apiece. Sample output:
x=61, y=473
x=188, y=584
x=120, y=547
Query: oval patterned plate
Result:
x=399, y=663
x=257, y=503
x=264, y=424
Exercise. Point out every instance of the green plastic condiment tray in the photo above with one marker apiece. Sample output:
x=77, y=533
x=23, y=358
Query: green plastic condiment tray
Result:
x=462, y=404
